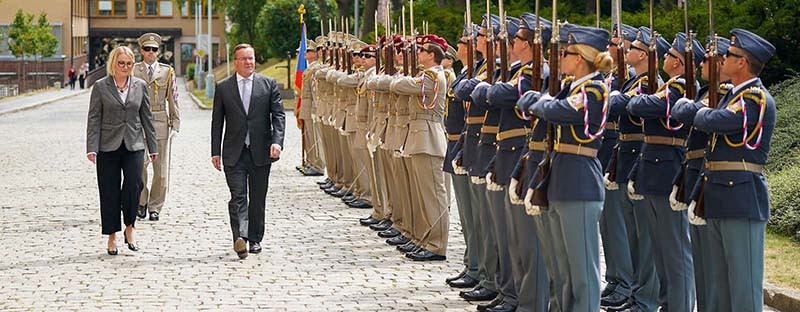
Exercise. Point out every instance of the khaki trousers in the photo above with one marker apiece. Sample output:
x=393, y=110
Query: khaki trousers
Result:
x=345, y=162
x=390, y=195
x=432, y=220
x=312, y=146
x=329, y=153
x=402, y=200
x=361, y=167
x=155, y=195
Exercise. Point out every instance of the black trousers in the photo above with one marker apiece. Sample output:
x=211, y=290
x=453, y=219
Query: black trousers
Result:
x=112, y=167
x=248, y=184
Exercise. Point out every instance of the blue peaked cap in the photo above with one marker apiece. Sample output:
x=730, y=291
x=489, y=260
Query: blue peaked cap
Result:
x=512, y=26
x=529, y=22
x=680, y=44
x=760, y=48
x=594, y=37
x=495, y=24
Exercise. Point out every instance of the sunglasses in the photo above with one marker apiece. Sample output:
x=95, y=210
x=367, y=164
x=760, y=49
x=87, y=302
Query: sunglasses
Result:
x=731, y=54
x=124, y=64
x=565, y=53
x=633, y=47
x=367, y=56
x=422, y=49
x=150, y=49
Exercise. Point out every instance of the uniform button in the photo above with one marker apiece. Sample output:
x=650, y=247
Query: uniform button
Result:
x=705, y=178
x=656, y=159
x=730, y=183
x=513, y=148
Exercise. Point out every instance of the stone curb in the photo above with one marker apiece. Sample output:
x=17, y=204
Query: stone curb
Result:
x=44, y=102
x=781, y=299
x=198, y=102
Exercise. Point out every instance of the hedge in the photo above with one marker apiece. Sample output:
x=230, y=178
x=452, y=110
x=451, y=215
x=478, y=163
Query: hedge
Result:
x=783, y=167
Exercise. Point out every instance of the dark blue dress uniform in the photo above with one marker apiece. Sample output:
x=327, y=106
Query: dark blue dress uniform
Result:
x=488, y=267
x=662, y=155
x=575, y=187
x=734, y=187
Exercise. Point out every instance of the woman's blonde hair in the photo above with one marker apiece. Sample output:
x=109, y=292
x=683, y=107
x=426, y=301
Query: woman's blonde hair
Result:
x=599, y=61
x=114, y=55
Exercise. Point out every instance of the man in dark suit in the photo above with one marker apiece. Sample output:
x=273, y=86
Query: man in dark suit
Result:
x=249, y=106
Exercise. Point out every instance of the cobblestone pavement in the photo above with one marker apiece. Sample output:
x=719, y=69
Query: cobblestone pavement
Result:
x=315, y=258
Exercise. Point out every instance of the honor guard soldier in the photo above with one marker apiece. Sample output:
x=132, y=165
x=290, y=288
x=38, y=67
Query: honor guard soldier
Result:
x=575, y=183
x=733, y=189
x=304, y=114
x=621, y=168
x=684, y=111
x=163, y=91
x=454, y=121
x=662, y=155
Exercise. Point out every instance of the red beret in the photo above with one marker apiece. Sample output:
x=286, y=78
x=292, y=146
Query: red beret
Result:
x=398, y=41
x=434, y=39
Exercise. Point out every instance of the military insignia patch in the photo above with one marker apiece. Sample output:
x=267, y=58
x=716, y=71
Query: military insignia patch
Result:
x=734, y=107
x=576, y=101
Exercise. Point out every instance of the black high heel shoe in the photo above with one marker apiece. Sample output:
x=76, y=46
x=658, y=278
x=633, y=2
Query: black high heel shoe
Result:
x=132, y=247
x=113, y=252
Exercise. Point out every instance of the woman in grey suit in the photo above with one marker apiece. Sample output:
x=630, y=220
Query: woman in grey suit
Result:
x=118, y=125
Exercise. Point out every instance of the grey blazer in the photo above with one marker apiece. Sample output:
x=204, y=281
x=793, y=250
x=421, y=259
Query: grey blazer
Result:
x=111, y=122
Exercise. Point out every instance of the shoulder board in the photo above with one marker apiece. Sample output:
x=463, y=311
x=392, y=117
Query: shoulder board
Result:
x=725, y=87
x=527, y=70
x=597, y=87
x=680, y=80
x=567, y=79
x=165, y=65
x=756, y=94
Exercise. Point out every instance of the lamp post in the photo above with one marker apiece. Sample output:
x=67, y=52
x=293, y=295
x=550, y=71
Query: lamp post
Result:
x=210, y=77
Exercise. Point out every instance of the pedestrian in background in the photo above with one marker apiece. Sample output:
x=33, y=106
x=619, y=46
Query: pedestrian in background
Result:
x=82, y=73
x=71, y=75
x=118, y=125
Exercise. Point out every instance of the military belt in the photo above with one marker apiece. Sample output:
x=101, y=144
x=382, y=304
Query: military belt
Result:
x=612, y=126
x=630, y=137
x=662, y=140
x=513, y=133
x=490, y=129
x=695, y=154
x=428, y=117
x=474, y=120
x=734, y=166
x=537, y=146
x=579, y=150
x=453, y=137
x=157, y=108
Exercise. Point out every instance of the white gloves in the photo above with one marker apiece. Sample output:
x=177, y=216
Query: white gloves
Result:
x=676, y=204
x=632, y=192
x=458, y=169
x=490, y=185
x=512, y=192
x=530, y=208
x=477, y=180
x=173, y=134
x=611, y=186
x=694, y=219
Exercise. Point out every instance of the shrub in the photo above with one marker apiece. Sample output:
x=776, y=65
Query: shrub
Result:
x=784, y=161
x=784, y=194
x=190, y=71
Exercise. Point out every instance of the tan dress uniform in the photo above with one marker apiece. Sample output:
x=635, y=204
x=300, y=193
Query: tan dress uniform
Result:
x=163, y=91
x=426, y=145
x=358, y=141
x=310, y=138
x=324, y=99
x=379, y=113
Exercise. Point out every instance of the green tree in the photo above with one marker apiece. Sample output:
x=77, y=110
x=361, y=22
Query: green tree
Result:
x=244, y=16
x=44, y=43
x=21, y=34
x=279, y=27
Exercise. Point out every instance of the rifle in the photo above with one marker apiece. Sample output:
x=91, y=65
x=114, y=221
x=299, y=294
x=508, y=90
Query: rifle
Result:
x=537, y=49
x=691, y=92
x=413, y=33
x=539, y=197
x=489, y=45
x=652, y=59
x=611, y=170
x=713, y=101
x=502, y=38
x=468, y=29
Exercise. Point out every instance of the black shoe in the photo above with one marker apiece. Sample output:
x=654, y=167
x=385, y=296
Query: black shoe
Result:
x=397, y=240
x=630, y=303
x=478, y=294
x=240, y=247
x=465, y=281
x=323, y=182
x=359, y=204
x=311, y=172
x=491, y=304
x=299, y=168
x=131, y=246
x=610, y=287
x=341, y=193
x=391, y=232
x=113, y=252
x=255, y=247
x=154, y=216
x=407, y=248
x=326, y=185
x=382, y=226
x=614, y=300
x=368, y=221
x=503, y=307
x=142, y=212
x=349, y=198
x=330, y=190
x=460, y=275
x=425, y=255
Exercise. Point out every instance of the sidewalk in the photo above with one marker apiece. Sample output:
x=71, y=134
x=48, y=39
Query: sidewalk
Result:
x=23, y=102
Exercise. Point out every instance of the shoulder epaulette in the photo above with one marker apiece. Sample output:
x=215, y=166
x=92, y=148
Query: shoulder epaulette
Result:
x=527, y=70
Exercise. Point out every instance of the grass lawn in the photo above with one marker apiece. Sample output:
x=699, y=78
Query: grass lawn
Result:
x=782, y=261
x=201, y=94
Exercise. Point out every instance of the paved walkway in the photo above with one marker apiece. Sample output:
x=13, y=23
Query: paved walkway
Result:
x=22, y=102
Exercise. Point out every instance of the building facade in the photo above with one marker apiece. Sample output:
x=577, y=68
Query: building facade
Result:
x=69, y=20
x=121, y=22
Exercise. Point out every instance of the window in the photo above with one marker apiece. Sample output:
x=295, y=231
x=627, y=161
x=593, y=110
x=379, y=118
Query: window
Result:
x=188, y=10
x=109, y=7
x=154, y=8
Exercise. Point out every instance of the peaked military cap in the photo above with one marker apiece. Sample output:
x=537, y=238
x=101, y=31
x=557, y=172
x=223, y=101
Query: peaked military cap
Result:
x=512, y=26
x=563, y=32
x=529, y=22
x=594, y=37
x=760, y=48
x=474, y=31
x=369, y=50
x=680, y=44
x=150, y=40
x=662, y=46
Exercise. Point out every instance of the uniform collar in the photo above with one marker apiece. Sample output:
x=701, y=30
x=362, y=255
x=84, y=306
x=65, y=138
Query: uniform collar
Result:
x=738, y=88
x=579, y=81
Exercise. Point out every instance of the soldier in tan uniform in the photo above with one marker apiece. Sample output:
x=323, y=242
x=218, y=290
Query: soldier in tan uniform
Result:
x=425, y=147
x=313, y=165
x=163, y=91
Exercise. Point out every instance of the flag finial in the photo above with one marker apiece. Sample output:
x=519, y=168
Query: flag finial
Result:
x=302, y=11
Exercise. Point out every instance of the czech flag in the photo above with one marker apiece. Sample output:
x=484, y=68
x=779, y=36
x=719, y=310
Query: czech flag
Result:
x=301, y=64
